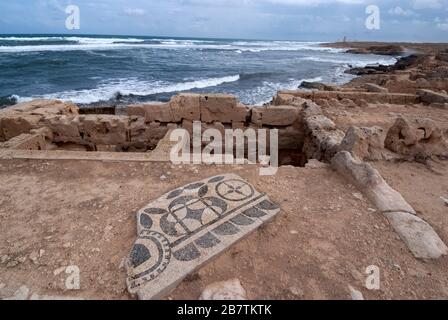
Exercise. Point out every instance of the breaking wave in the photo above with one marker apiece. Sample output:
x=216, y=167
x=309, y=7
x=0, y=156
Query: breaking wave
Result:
x=353, y=62
x=16, y=44
x=109, y=89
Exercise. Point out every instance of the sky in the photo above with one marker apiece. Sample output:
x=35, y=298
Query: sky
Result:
x=307, y=20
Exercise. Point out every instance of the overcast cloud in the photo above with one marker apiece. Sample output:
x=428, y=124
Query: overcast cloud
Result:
x=319, y=20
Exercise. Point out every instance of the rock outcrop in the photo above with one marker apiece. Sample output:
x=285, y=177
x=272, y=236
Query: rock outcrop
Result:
x=418, y=137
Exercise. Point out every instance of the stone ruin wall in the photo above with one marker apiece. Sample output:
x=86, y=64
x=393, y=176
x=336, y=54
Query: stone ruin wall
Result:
x=304, y=130
x=140, y=127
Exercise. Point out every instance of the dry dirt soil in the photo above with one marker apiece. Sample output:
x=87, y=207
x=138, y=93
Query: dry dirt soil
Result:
x=83, y=213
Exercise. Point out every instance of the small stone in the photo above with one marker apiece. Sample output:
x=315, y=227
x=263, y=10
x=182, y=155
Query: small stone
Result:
x=34, y=256
x=59, y=271
x=5, y=258
x=358, y=196
x=67, y=245
x=357, y=275
x=21, y=294
x=162, y=177
x=225, y=290
x=12, y=264
x=41, y=252
x=294, y=232
x=397, y=266
x=21, y=259
x=355, y=294
x=122, y=264
x=296, y=291
x=445, y=200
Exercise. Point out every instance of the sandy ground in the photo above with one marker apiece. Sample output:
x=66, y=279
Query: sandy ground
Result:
x=83, y=213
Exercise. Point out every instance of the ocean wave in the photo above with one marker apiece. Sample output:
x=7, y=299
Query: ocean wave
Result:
x=353, y=62
x=85, y=40
x=263, y=94
x=109, y=89
x=72, y=43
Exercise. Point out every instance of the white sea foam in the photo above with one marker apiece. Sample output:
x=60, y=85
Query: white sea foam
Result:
x=89, y=43
x=267, y=90
x=354, y=62
x=108, y=89
x=73, y=39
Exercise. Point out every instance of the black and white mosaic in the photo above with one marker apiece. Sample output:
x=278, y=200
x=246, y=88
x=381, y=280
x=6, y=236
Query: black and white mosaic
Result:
x=186, y=227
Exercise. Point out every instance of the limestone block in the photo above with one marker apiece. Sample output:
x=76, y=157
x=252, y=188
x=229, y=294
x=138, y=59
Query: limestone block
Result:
x=429, y=96
x=104, y=129
x=64, y=128
x=402, y=98
x=371, y=87
x=275, y=115
x=13, y=125
x=365, y=143
x=186, y=106
x=135, y=110
x=26, y=141
x=283, y=99
x=160, y=112
x=45, y=107
x=223, y=108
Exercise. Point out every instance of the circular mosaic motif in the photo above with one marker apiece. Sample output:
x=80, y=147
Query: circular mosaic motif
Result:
x=234, y=190
x=150, y=255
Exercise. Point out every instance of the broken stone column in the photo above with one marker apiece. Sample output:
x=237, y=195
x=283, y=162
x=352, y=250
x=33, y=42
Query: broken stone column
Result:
x=322, y=138
x=418, y=235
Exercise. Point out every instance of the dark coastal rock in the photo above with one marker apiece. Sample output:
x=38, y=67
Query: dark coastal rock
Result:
x=388, y=50
x=316, y=86
x=402, y=64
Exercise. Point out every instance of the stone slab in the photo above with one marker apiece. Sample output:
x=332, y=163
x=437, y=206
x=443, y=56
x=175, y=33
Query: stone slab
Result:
x=185, y=228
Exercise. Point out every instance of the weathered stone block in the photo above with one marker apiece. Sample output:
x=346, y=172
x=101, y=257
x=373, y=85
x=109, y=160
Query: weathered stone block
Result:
x=160, y=112
x=15, y=124
x=26, y=141
x=223, y=108
x=46, y=107
x=371, y=87
x=275, y=115
x=402, y=98
x=104, y=129
x=186, y=106
x=428, y=96
x=64, y=128
x=137, y=110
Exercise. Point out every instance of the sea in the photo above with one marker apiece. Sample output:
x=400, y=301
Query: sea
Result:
x=113, y=70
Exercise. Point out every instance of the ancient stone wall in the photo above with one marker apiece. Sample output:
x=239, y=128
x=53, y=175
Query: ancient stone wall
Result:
x=141, y=127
